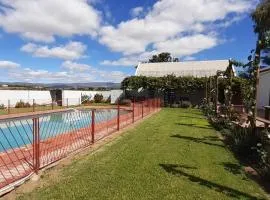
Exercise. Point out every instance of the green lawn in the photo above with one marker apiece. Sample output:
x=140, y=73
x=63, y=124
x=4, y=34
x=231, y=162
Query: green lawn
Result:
x=173, y=155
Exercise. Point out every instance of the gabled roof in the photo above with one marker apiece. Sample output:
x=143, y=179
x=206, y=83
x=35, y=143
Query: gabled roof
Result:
x=189, y=68
x=267, y=69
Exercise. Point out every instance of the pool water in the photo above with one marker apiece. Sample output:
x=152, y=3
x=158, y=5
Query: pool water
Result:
x=19, y=132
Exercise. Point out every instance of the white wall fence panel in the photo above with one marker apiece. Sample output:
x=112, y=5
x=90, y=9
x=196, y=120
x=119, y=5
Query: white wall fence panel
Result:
x=44, y=97
x=41, y=97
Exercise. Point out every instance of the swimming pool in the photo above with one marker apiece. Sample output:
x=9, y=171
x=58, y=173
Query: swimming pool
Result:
x=19, y=132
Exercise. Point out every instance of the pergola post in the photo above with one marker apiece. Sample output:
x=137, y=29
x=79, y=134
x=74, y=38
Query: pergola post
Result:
x=216, y=93
x=206, y=91
x=256, y=80
x=228, y=98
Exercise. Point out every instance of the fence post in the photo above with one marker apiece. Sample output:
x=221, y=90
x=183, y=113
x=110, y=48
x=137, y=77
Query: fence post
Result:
x=36, y=145
x=8, y=106
x=142, y=107
x=52, y=104
x=34, y=105
x=93, y=126
x=118, y=116
x=267, y=112
x=133, y=110
x=67, y=102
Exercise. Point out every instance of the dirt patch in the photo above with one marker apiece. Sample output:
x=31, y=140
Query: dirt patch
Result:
x=53, y=173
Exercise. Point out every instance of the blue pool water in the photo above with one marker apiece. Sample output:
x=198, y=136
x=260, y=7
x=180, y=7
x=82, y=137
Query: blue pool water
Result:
x=18, y=133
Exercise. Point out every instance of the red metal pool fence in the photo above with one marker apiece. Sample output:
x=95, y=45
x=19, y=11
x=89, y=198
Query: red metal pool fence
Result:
x=29, y=144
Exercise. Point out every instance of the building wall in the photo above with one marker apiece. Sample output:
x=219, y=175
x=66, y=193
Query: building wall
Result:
x=264, y=90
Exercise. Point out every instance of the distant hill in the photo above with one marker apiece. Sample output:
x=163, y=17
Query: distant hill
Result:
x=91, y=85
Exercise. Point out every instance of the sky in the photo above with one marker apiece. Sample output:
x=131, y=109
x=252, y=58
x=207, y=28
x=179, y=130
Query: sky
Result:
x=67, y=41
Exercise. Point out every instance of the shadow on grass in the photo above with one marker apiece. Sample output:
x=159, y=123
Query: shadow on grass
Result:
x=199, y=140
x=209, y=127
x=191, y=117
x=192, y=112
x=174, y=169
x=233, y=168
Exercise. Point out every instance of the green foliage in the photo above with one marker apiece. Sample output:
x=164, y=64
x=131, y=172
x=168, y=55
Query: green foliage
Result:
x=2, y=107
x=170, y=82
x=22, y=104
x=108, y=100
x=125, y=102
x=85, y=99
x=98, y=98
x=185, y=104
x=163, y=57
x=261, y=17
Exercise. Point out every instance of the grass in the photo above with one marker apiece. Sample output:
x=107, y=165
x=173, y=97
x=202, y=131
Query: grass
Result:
x=173, y=155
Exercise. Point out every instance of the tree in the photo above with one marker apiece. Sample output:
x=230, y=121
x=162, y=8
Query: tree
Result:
x=163, y=57
x=261, y=18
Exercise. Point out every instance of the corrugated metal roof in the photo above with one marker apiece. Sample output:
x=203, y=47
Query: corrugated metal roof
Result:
x=190, y=68
x=264, y=70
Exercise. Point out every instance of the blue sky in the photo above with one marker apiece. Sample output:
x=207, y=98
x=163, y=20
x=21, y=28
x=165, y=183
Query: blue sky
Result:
x=102, y=40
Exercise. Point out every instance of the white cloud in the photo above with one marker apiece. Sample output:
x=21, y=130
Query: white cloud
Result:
x=179, y=47
x=135, y=12
x=131, y=60
x=70, y=51
x=71, y=72
x=75, y=67
x=189, y=58
x=8, y=64
x=125, y=61
x=185, y=46
x=41, y=20
x=170, y=19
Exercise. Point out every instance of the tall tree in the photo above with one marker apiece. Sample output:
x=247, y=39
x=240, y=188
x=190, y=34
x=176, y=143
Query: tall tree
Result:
x=163, y=57
x=261, y=18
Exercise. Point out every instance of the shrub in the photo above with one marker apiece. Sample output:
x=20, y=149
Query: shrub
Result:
x=185, y=104
x=85, y=99
x=2, y=107
x=108, y=100
x=98, y=98
x=175, y=105
x=125, y=102
x=22, y=104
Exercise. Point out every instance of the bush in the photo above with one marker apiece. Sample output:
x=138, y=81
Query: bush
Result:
x=185, y=104
x=2, y=107
x=22, y=104
x=85, y=99
x=125, y=102
x=108, y=100
x=175, y=105
x=98, y=98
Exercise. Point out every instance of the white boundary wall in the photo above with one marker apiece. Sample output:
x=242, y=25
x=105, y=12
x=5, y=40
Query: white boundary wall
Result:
x=44, y=97
x=74, y=96
x=41, y=97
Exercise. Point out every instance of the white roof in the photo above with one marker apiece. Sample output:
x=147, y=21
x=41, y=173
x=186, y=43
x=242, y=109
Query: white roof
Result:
x=189, y=68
